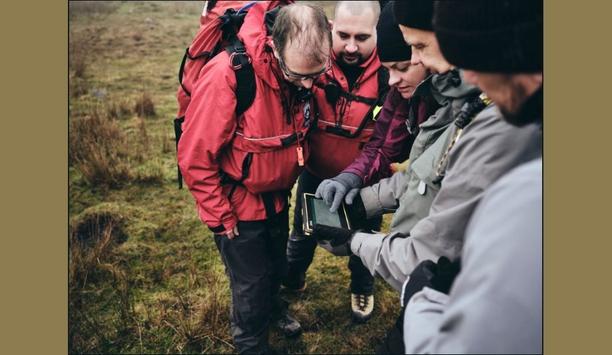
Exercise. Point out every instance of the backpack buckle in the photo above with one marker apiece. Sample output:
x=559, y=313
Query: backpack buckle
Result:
x=243, y=59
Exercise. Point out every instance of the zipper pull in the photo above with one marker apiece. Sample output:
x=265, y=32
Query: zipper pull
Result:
x=300, y=156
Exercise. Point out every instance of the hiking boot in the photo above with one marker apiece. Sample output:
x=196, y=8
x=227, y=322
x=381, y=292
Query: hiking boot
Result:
x=362, y=307
x=288, y=325
x=298, y=288
x=295, y=284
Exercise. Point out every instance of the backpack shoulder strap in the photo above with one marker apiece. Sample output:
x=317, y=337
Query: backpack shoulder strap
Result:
x=239, y=59
x=245, y=76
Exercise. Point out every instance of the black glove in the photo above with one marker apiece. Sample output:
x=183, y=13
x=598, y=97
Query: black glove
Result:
x=438, y=276
x=357, y=214
x=335, y=240
x=446, y=274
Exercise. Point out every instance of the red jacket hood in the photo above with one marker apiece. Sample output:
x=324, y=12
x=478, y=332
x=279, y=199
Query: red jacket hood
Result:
x=253, y=34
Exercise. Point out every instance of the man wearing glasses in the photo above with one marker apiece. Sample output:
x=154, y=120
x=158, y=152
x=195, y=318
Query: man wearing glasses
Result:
x=347, y=95
x=240, y=168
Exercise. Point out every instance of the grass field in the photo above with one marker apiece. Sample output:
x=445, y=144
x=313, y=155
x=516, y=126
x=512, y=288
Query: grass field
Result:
x=145, y=276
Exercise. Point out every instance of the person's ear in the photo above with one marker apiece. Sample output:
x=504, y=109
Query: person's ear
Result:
x=330, y=24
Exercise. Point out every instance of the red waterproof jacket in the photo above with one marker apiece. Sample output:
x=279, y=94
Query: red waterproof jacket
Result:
x=331, y=152
x=215, y=143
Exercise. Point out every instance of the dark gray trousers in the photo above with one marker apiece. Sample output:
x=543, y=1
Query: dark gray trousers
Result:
x=255, y=263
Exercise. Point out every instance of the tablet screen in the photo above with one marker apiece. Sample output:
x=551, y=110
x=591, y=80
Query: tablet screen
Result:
x=323, y=216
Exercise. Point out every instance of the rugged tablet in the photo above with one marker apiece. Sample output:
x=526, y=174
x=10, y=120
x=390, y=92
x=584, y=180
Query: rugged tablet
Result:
x=315, y=211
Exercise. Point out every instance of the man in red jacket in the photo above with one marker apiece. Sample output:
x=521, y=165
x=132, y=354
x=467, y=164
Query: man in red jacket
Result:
x=347, y=96
x=240, y=169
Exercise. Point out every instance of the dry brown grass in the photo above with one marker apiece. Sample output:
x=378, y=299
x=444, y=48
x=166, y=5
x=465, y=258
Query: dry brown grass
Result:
x=78, y=47
x=119, y=108
x=168, y=143
x=98, y=149
x=144, y=106
x=198, y=320
x=93, y=233
x=78, y=62
x=89, y=8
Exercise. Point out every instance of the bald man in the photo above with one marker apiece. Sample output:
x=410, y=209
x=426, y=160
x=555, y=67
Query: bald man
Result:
x=346, y=95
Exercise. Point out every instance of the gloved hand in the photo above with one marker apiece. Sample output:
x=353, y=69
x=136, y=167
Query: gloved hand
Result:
x=357, y=213
x=335, y=240
x=438, y=276
x=343, y=185
x=446, y=275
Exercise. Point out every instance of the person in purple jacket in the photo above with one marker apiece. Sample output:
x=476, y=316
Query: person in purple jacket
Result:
x=394, y=132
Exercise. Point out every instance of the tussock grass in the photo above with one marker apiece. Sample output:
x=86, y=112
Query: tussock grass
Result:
x=94, y=234
x=99, y=150
x=144, y=106
x=118, y=108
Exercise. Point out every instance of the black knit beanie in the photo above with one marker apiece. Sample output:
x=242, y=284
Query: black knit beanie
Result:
x=390, y=43
x=502, y=36
x=414, y=13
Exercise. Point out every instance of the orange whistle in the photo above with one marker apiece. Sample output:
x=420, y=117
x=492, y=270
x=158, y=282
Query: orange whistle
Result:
x=300, y=156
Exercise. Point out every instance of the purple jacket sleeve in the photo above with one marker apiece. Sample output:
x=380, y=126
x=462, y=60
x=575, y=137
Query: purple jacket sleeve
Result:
x=390, y=142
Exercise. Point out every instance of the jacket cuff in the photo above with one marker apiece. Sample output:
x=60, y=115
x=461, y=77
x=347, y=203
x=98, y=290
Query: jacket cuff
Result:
x=366, y=246
x=225, y=226
x=217, y=229
x=370, y=201
x=355, y=171
x=356, y=242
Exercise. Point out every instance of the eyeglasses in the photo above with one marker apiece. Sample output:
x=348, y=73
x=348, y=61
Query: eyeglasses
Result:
x=299, y=77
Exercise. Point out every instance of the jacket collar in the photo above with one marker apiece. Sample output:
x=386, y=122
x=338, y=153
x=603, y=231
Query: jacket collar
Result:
x=451, y=85
x=370, y=66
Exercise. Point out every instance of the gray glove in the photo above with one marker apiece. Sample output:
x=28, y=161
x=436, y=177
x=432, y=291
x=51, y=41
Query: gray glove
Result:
x=343, y=185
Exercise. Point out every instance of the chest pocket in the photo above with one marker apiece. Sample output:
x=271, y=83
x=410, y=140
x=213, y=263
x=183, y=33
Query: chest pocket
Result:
x=425, y=166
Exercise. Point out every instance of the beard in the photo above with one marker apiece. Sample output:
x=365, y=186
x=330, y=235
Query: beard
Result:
x=352, y=59
x=531, y=111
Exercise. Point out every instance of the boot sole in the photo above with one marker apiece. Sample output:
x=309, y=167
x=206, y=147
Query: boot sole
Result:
x=360, y=319
x=296, y=290
x=292, y=334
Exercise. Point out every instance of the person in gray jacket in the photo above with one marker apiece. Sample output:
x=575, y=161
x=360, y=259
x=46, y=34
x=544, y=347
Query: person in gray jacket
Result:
x=451, y=165
x=495, y=303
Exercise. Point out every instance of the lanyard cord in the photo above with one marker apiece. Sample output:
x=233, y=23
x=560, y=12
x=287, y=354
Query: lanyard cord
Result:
x=468, y=111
